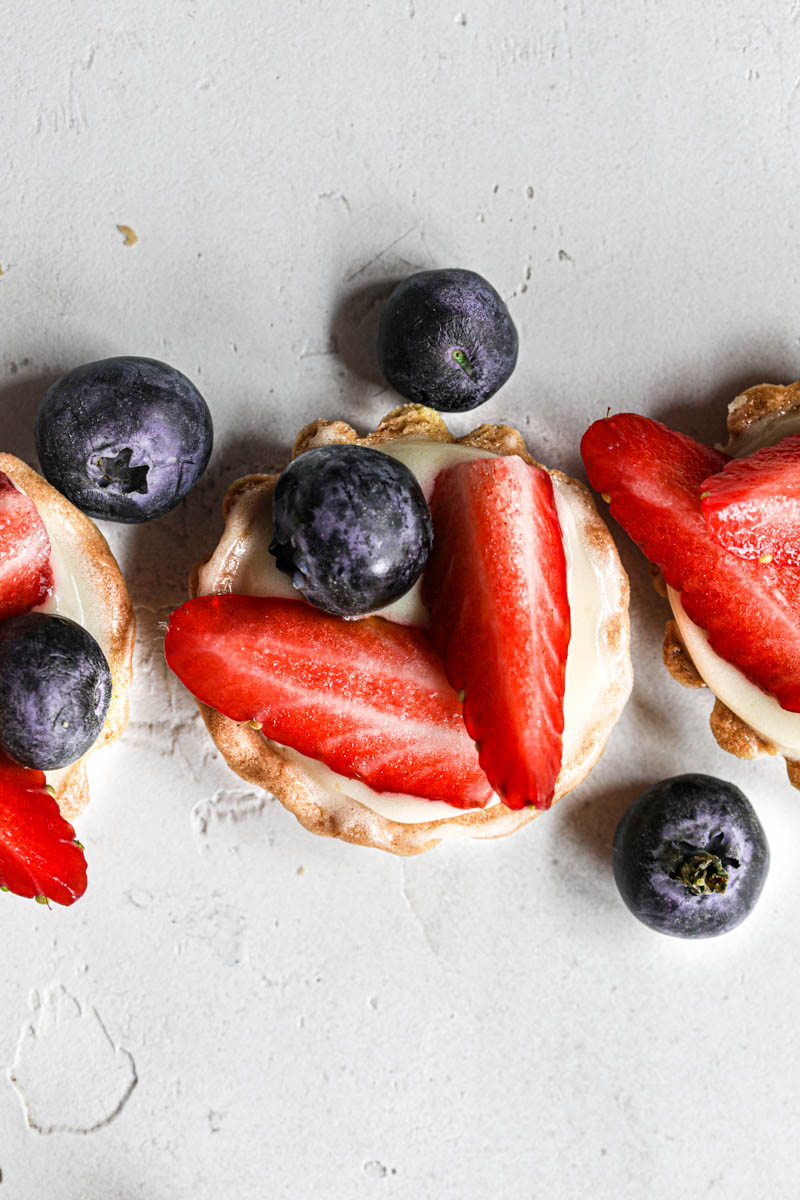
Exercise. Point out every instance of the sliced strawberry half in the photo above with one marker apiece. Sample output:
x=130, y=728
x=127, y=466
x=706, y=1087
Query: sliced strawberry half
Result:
x=26, y=576
x=38, y=852
x=750, y=610
x=496, y=587
x=368, y=698
x=752, y=506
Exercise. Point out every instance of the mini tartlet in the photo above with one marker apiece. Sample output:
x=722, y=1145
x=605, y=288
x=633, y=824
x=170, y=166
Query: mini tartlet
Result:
x=761, y=416
x=331, y=805
x=90, y=589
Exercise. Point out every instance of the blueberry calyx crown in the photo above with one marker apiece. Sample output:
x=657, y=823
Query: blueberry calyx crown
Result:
x=703, y=872
x=115, y=472
x=459, y=356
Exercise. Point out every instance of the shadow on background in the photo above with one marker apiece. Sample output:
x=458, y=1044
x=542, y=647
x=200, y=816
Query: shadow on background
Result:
x=592, y=825
x=705, y=417
x=19, y=401
x=354, y=328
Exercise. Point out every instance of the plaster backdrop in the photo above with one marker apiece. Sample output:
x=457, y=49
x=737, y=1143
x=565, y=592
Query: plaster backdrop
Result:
x=237, y=1008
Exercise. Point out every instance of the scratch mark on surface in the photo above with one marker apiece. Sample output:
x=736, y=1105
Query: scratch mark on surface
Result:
x=70, y=1076
x=340, y=196
x=375, y=1169
x=130, y=237
x=227, y=807
x=360, y=270
x=311, y=352
x=434, y=949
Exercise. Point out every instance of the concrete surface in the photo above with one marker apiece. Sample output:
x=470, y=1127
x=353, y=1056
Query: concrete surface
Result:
x=239, y=1009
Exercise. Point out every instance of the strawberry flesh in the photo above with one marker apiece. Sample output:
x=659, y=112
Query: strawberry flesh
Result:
x=26, y=576
x=753, y=504
x=750, y=611
x=38, y=852
x=496, y=587
x=368, y=698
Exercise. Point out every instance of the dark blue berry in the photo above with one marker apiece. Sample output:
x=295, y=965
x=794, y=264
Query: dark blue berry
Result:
x=55, y=688
x=690, y=856
x=125, y=438
x=446, y=339
x=352, y=528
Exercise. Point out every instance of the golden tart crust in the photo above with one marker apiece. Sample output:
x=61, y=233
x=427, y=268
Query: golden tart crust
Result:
x=333, y=814
x=102, y=578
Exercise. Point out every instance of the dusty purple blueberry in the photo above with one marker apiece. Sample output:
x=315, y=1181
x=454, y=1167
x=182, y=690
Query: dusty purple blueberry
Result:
x=55, y=689
x=351, y=527
x=691, y=856
x=446, y=339
x=125, y=438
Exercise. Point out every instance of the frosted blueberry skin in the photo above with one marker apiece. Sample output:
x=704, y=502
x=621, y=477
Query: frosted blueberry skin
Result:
x=55, y=689
x=446, y=340
x=351, y=527
x=691, y=856
x=124, y=439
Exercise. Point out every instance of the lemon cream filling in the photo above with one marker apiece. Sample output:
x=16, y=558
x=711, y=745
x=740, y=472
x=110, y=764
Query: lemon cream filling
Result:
x=242, y=564
x=755, y=707
x=766, y=431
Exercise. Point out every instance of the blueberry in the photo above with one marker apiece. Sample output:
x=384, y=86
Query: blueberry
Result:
x=690, y=856
x=124, y=439
x=352, y=528
x=55, y=688
x=446, y=339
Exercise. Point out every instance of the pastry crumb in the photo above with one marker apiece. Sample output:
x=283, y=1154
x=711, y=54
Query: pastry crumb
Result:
x=131, y=238
x=677, y=660
x=793, y=771
x=734, y=736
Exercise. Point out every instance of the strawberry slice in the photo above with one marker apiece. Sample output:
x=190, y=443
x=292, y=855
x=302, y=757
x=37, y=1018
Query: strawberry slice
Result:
x=496, y=587
x=38, y=852
x=26, y=577
x=368, y=698
x=752, y=506
x=750, y=610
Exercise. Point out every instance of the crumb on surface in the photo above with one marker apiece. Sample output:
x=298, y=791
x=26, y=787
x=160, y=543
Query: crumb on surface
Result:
x=129, y=235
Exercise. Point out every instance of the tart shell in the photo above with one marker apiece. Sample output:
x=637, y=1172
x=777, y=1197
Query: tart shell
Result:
x=326, y=811
x=752, y=410
x=103, y=580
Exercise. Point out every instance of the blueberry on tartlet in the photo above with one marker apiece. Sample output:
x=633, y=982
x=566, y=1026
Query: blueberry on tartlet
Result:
x=55, y=689
x=351, y=527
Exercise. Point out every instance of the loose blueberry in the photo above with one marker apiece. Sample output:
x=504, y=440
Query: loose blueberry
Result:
x=446, y=339
x=125, y=438
x=55, y=688
x=691, y=856
x=351, y=527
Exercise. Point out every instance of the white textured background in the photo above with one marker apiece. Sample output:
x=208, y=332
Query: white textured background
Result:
x=308, y=1019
